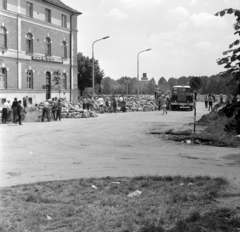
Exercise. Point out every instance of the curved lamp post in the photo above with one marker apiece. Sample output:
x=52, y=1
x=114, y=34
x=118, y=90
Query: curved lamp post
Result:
x=93, y=74
x=146, y=50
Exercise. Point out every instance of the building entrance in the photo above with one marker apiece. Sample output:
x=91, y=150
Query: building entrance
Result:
x=48, y=85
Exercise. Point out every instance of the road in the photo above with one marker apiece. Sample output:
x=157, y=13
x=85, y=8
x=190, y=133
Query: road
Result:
x=110, y=145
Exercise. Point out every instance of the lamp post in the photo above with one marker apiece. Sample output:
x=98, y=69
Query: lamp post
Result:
x=146, y=50
x=93, y=73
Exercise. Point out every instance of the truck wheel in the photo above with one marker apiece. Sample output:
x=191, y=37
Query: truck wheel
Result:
x=191, y=108
x=173, y=108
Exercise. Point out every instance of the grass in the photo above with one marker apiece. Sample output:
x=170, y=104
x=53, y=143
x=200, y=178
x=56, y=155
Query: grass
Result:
x=167, y=204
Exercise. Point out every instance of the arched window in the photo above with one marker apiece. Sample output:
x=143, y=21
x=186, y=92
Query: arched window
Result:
x=48, y=46
x=29, y=79
x=3, y=37
x=3, y=78
x=64, y=49
x=29, y=43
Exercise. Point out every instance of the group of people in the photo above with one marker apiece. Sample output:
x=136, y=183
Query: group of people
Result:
x=56, y=107
x=209, y=99
x=16, y=109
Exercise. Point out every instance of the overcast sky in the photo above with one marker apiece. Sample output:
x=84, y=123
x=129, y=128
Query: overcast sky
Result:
x=184, y=35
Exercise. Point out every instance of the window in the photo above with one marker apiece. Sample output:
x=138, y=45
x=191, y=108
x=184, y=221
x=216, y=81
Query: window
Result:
x=64, y=21
x=29, y=9
x=3, y=78
x=29, y=43
x=64, y=81
x=48, y=46
x=3, y=37
x=64, y=49
x=4, y=4
x=29, y=79
x=48, y=15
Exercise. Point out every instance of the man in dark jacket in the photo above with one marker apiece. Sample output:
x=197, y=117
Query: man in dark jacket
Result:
x=14, y=109
x=59, y=110
x=19, y=112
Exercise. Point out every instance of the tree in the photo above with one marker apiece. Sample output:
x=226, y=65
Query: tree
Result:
x=57, y=79
x=232, y=61
x=172, y=82
x=85, y=73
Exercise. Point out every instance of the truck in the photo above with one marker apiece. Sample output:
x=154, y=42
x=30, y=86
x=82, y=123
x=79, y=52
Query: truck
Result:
x=182, y=96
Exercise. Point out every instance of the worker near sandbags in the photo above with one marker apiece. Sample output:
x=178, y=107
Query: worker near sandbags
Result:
x=46, y=110
x=6, y=108
x=159, y=100
x=100, y=102
x=19, y=112
x=59, y=110
x=54, y=107
x=14, y=109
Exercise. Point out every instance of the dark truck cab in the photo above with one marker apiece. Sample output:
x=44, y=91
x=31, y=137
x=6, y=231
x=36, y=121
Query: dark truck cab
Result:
x=182, y=96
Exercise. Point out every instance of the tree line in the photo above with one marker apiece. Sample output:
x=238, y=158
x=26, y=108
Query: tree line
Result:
x=215, y=84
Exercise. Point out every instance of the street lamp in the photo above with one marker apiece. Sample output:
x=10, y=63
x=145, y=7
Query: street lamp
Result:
x=93, y=77
x=146, y=50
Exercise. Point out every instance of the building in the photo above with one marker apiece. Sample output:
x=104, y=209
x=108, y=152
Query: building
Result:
x=37, y=38
x=144, y=78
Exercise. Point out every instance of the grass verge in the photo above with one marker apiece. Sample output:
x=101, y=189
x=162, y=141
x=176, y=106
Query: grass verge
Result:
x=166, y=204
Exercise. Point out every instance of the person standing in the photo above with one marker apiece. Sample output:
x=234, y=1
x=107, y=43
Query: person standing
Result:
x=54, y=108
x=210, y=102
x=164, y=104
x=84, y=103
x=19, y=112
x=14, y=109
x=5, y=112
x=101, y=104
x=114, y=102
x=206, y=101
x=221, y=98
x=159, y=99
x=59, y=110
x=45, y=111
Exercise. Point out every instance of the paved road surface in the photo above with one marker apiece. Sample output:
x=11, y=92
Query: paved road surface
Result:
x=110, y=145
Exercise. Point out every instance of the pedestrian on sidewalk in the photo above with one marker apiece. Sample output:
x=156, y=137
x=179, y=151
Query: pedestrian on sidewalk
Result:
x=19, y=112
x=14, y=109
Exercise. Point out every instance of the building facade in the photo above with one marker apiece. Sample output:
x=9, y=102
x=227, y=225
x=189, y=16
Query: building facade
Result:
x=38, y=38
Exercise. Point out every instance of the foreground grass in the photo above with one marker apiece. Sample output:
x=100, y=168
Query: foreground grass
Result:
x=167, y=204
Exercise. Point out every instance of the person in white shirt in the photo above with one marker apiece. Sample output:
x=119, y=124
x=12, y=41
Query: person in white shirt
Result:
x=100, y=102
x=45, y=110
x=5, y=109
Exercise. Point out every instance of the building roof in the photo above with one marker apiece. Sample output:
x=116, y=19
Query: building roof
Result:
x=62, y=5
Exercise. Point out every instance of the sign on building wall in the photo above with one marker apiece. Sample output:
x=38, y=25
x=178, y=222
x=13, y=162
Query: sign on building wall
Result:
x=47, y=59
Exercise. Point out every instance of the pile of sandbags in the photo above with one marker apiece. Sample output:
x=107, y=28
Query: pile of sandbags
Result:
x=145, y=104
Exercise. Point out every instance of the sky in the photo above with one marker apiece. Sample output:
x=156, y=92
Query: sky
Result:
x=185, y=37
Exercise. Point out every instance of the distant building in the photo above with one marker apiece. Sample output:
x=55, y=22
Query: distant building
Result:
x=144, y=78
x=37, y=37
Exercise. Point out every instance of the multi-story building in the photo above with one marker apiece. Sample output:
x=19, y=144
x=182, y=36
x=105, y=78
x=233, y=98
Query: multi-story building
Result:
x=37, y=38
